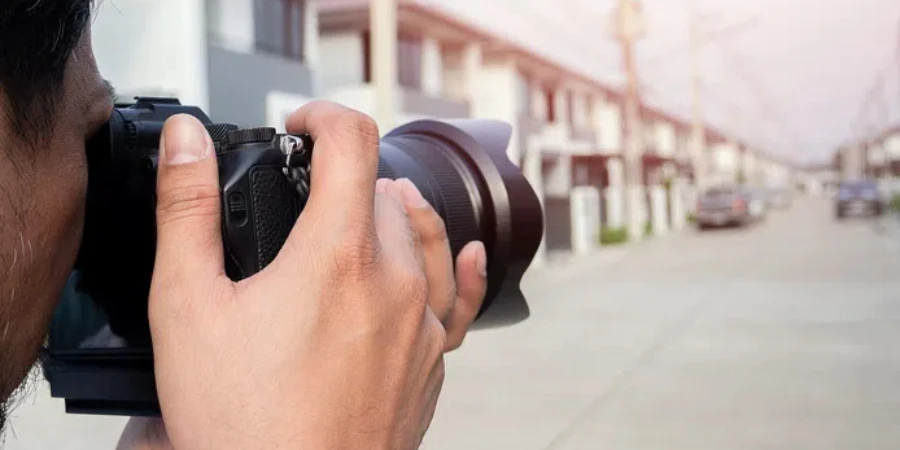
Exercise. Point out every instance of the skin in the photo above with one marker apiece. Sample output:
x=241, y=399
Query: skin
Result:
x=41, y=207
x=339, y=343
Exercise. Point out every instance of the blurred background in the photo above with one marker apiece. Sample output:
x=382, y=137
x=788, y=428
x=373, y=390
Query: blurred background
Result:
x=720, y=179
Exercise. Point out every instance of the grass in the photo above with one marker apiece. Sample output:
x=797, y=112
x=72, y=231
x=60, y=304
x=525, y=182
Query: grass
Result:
x=894, y=204
x=613, y=236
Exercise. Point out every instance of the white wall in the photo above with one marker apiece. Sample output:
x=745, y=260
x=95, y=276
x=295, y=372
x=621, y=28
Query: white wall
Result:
x=494, y=97
x=279, y=105
x=149, y=46
x=432, y=68
x=454, y=75
x=876, y=155
x=558, y=181
x=580, y=108
x=892, y=147
x=231, y=23
x=725, y=160
x=561, y=102
x=665, y=138
x=607, y=117
x=343, y=62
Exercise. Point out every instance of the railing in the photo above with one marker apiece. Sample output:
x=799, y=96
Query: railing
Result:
x=420, y=103
x=584, y=134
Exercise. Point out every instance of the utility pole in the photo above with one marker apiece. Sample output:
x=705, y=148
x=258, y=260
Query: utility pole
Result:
x=628, y=26
x=698, y=123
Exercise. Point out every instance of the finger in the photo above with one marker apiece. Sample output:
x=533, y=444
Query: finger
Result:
x=438, y=260
x=189, y=239
x=396, y=238
x=344, y=163
x=471, y=285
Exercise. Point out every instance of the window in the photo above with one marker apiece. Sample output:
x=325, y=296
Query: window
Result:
x=279, y=27
x=550, y=98
x=409, y=62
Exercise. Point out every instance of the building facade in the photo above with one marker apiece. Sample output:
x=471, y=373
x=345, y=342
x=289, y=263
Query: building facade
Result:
x=242, y=61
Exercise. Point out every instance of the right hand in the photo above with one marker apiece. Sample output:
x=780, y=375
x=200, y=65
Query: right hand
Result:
x=336, y=343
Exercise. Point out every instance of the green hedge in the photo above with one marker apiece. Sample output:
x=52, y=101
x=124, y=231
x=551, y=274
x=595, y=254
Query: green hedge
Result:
x=894, y=205
x=613, y=236
x=648, y=229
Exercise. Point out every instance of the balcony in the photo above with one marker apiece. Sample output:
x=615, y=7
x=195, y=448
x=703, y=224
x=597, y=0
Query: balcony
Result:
x=585, y=134
x=411, y=104
x=421, y=104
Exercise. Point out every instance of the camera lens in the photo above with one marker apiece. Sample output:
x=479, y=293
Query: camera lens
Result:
x=462, y=169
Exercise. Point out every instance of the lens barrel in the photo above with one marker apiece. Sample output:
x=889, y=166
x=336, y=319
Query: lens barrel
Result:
x=462, y=169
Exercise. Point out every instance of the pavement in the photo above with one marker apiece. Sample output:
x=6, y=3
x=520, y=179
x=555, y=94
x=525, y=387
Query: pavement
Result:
x=784, y=335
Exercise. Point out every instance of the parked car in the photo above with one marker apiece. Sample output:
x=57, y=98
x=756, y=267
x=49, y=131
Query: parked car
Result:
x=757, y=203
x=858, y=197
x=724, y=206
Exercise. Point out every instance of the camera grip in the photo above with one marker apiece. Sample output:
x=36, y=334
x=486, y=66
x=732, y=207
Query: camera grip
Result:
x=274, y=212
x=260, y=210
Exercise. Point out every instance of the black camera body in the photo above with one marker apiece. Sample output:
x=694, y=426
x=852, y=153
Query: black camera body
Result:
x=100, y=357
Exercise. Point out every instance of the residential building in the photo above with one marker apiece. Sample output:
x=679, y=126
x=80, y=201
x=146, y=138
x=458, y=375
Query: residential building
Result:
x=248, y=62
x=437, y=60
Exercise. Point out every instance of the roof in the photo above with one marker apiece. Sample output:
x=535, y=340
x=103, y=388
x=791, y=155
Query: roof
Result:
x=343, y=13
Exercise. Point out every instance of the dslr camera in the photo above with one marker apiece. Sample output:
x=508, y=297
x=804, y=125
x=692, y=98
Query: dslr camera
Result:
x=99, y=355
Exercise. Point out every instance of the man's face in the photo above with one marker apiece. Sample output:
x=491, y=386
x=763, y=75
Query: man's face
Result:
x=42, y=193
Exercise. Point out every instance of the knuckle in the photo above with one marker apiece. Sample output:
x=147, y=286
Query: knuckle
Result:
x=358, y=126
x=414, y=285
x=434, y=229
x=357, y=257
x=437, y=337
x=182, y=202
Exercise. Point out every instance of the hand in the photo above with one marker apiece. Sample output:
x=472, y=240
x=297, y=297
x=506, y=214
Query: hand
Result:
x=335, y=344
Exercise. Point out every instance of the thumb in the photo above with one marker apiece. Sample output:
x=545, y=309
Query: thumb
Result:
x=189, y=237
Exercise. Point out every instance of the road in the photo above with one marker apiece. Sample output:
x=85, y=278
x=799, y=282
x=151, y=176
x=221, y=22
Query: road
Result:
x=782, y=336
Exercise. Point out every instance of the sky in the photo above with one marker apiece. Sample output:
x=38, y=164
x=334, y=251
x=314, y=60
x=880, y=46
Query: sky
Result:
x=791, y=80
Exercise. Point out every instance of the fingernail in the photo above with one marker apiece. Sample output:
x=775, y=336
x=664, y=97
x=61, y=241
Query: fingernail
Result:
x=411, y=195
x=381, y=185
x=185, y=140
x=481, y=260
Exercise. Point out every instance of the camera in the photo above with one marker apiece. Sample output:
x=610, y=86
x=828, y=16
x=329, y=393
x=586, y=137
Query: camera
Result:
x=99, y=354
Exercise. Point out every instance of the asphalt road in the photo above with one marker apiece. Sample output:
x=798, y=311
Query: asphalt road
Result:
x=785, y=335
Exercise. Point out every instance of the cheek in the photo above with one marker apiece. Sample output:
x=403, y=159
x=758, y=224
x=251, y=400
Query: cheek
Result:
x=61, y=208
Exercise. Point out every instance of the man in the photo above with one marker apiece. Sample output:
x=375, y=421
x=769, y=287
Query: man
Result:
x=338, y=344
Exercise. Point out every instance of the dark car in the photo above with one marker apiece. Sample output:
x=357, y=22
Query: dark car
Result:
x=858, y=197
x=724, y=206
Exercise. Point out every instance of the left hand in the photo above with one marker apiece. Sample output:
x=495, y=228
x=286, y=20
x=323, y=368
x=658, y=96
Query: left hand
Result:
x=456, y=304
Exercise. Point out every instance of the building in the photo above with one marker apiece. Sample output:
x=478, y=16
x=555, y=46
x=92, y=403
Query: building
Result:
x=240, y=60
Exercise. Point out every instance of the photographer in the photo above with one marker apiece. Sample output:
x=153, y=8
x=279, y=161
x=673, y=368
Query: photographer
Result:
x=337, y=344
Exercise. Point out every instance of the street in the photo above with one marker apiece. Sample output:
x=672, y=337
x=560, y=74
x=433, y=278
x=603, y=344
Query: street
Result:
x=781, y=336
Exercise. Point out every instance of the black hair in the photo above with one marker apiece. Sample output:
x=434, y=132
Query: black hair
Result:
x=37, y=38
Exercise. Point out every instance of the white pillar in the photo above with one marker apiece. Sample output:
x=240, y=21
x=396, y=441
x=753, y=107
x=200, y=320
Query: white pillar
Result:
x=383, y=25
x=677, y=200
x=531, y=168
x=472, y=62
x=585, y=209
x=615, y=195
x=432, y=68
x=659, y=211
x=637, y=220
x=311, y=43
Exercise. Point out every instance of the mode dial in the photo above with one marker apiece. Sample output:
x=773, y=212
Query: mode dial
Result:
x=250, y=136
